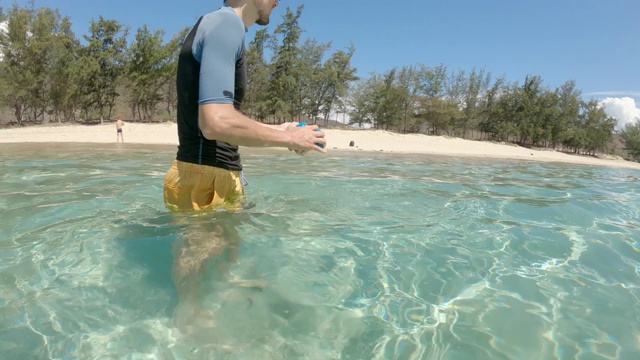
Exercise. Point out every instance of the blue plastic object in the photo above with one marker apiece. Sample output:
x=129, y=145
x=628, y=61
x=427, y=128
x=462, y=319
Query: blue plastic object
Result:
x=305, y=124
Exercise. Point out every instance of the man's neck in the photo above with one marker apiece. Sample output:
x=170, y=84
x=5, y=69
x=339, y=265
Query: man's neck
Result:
x=246, y=12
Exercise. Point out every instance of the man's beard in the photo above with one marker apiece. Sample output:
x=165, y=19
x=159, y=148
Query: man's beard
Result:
x=263, y=19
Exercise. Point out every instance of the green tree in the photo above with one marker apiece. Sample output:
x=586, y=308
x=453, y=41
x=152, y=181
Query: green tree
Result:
x=257, y=100
x=103, y=62
x=390, y=94
x=631, y=138
x=313, y=78
x=475, y=89
x=488, y=113
x=569, y=109
x=504, y=121
x=431, y=90
x=339, y=74
x=382, y=105
x=591, y=131
x=63, y=92
x=547, y=115
x=16, y=83
x=2, y=33
x=32, y=55
x=454, y=86
x=284, y=86
x=39, y=53
x=407, y=96
x=169, y=92
x=599, y=126
x=432, y=80
x=362, y=101
x=147, y=65
x=527, y=114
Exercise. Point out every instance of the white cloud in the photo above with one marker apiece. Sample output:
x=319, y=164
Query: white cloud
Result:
x=624, y=109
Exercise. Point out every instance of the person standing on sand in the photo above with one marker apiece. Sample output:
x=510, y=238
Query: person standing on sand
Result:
x=119, y=125
x=207, y=172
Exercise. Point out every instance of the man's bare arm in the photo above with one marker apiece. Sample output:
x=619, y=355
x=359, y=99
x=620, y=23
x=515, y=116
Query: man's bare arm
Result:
x=280, y=127
x=224, y=123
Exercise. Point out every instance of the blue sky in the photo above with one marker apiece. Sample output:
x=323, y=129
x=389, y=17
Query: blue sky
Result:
x=594, y=42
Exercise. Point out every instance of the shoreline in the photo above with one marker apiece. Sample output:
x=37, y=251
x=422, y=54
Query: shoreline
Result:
x=377, y=141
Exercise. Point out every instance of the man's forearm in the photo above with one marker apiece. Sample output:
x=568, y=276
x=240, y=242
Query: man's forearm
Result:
x=271, y=126
x=224, y=123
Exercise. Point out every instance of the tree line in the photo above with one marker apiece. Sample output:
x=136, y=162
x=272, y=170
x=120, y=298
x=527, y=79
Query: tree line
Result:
x=47, y=73
x=477, y=105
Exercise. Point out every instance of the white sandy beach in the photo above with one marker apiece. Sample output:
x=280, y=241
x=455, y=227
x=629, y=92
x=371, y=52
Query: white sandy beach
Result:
x=365, y=140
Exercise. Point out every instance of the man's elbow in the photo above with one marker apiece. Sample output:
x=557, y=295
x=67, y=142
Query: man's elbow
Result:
x=211, y=128
x=214, y=124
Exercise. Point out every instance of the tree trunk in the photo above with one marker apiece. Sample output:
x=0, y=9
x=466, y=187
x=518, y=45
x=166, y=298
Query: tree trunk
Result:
x=18, y=113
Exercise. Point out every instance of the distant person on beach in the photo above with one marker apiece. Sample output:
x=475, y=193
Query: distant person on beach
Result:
x=119, y=125
x=207, y=171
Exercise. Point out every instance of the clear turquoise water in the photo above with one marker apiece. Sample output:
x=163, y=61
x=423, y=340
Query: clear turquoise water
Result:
x=366, y=256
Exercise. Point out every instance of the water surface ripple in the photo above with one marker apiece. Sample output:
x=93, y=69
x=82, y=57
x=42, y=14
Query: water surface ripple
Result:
x=365, y=256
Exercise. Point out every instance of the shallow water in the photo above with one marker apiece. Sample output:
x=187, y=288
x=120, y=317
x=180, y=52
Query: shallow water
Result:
x=365, y=256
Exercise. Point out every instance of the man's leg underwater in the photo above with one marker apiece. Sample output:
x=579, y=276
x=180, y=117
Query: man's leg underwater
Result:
x=201, y=191
x=209, y=238
x=193, y=253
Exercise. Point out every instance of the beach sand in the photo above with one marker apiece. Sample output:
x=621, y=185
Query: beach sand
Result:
x=364, y=140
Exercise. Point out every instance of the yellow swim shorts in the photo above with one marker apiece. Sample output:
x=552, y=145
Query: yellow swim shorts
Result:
x=200, y=187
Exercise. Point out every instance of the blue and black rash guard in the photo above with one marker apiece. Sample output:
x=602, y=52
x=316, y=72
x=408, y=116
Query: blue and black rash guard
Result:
x=211, y=69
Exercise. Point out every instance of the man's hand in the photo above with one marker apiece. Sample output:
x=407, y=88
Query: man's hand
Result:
x=285, y=126
x=307, y=137
x=310, y=133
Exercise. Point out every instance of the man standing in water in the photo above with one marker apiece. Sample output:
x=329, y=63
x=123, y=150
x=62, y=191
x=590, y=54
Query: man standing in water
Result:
x=206, y=173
